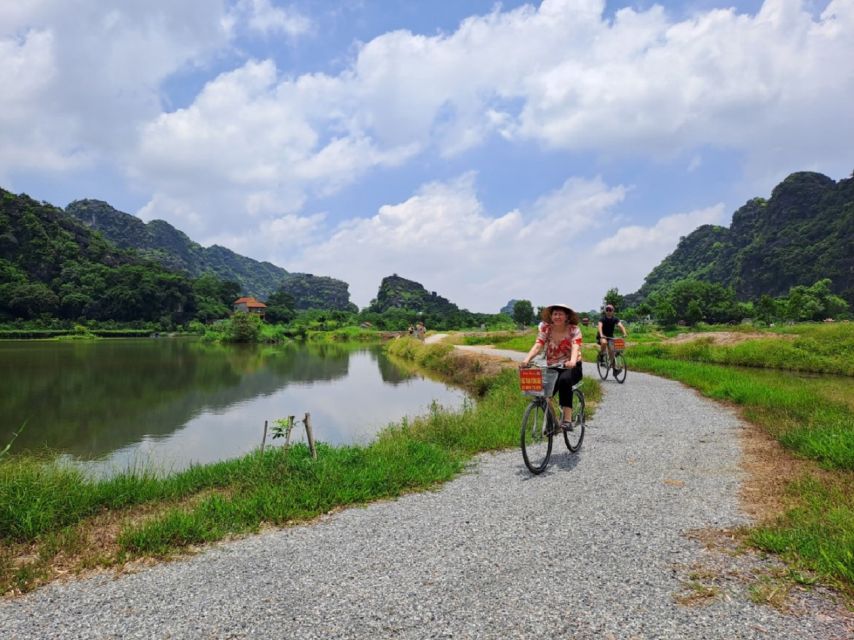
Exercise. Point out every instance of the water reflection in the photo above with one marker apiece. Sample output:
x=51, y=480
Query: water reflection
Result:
x=171, y=402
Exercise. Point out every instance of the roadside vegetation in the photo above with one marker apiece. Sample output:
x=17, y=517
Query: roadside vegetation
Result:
x=54, y=520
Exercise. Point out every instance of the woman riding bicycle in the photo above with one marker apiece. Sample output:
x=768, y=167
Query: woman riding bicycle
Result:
x=561, y=337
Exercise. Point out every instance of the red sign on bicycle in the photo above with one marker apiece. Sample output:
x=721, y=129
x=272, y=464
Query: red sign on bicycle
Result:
x=531, y=379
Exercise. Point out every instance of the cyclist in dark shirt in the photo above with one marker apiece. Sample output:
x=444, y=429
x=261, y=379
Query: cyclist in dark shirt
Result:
x=607, y=323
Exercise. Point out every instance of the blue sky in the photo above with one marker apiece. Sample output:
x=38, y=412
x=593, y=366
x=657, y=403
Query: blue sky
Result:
x=546, y=150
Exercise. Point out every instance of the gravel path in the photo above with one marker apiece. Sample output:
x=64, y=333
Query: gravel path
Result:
x=599, y=546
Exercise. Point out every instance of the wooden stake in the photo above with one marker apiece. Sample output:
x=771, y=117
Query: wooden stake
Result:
x=310, y=434
x=264, y=439
x=288, y=433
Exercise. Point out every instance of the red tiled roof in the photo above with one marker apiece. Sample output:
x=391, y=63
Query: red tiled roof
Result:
x=250, y=303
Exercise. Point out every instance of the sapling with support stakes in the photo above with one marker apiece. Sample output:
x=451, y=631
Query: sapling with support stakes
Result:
x=283, y=428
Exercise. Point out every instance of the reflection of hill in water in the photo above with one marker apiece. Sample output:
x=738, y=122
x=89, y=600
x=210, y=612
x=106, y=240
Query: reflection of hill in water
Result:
x=392, y=373
x=90, y=399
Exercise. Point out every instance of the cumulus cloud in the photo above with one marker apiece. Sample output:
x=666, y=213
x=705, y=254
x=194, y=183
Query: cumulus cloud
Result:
x=561, y=75
x=631, y=253
x=444, y=238
x=267, y=18
x=632, y=238
x=79, y=78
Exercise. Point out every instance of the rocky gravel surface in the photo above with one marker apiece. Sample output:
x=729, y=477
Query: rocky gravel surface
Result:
x=611, y=542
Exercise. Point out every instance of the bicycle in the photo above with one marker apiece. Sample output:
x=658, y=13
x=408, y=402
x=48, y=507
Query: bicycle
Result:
x=603, y=362
x=540, y=422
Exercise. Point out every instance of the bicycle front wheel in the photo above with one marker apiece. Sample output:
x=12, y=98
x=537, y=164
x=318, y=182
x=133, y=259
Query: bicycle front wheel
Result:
x=536, y=437
x=602, y=366
x=575, y=435
x=620, y=368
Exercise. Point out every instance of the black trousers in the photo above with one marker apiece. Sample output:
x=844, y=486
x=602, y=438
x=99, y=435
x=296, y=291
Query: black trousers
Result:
x=566, y=380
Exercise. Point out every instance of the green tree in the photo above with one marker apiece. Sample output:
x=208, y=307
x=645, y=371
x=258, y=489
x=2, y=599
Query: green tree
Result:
x=281, y=306
x=815, y=302
x=523, y=313
x=766, y=308
x=665, y=312
x=243, y=327
x=693, y=313
x=613, y=297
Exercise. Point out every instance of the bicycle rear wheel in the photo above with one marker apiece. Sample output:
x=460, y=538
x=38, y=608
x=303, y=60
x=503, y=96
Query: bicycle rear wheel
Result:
x=573, y=437
x=620, y=368
x=536, y=436
x=602, y=365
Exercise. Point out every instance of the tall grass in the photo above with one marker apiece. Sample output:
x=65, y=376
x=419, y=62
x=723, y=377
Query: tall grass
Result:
x=801, y=354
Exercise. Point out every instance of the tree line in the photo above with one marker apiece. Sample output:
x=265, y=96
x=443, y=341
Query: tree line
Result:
x=690, y=302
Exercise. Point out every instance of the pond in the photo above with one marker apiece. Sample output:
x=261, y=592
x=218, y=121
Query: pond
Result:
x=166, y=403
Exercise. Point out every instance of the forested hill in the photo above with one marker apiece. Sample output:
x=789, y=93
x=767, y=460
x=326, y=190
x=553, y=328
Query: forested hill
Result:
x=51, y=265
x=318, y=292
x=803, y=233
x=399, y=293
x=172, y=248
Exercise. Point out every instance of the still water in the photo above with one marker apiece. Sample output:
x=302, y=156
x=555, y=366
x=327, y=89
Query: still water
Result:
x=168, y=403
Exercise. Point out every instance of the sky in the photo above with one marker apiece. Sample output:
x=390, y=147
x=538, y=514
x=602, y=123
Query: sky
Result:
x=490, y=151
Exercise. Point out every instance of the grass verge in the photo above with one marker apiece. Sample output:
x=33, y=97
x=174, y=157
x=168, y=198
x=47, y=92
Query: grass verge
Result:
x=822, y=350
x=813, y=418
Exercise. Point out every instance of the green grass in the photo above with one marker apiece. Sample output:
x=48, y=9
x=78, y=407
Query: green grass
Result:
x=804, y=353
x=40, y=495
x=808, y=415
x=286, y=485
x=817, y=534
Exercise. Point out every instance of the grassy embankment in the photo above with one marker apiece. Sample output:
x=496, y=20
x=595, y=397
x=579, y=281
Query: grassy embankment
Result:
x=771, y=380
x=53, y=520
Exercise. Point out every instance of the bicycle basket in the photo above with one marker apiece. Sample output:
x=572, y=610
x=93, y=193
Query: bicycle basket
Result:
x=537, y=381
x=619, y=344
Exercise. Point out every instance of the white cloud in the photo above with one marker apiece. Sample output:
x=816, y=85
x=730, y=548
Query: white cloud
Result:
x=628, y=255
x=263, y=16
x=443, y=238
x=252, y=142
x=278, y=237
x=78, y=78
x=561, y=75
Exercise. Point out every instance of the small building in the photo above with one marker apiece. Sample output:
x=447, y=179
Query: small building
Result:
x=250, y=305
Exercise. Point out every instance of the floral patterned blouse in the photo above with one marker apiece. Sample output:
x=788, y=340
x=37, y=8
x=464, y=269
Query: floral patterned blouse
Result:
x=558, y=353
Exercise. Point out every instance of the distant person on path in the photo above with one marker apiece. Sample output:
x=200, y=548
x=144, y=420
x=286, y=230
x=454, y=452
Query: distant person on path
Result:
x=606, y=330
x=559, y=334
x=420, y=330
